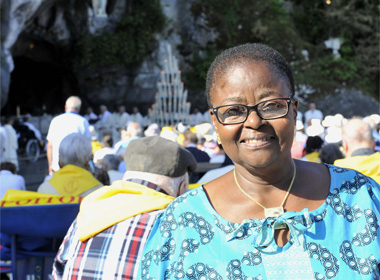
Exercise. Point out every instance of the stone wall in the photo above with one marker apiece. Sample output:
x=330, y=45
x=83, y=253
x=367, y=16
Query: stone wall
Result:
x=31, y=24
x=43, y=31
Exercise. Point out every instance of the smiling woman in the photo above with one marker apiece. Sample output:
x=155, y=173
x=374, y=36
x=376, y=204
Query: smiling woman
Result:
x=271, y=217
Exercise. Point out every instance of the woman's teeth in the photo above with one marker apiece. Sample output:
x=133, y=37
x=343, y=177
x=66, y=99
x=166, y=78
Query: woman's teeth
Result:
x=257, y=140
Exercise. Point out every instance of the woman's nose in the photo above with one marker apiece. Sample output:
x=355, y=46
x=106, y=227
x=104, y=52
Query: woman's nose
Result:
x=254, y=120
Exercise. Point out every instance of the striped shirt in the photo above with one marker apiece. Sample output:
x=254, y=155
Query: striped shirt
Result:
x=114, y=253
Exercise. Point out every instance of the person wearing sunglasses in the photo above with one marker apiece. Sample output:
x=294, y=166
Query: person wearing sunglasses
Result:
x=271, y=217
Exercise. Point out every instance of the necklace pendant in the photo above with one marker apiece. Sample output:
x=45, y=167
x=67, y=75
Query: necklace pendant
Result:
x=273, y=212
x=281, y=226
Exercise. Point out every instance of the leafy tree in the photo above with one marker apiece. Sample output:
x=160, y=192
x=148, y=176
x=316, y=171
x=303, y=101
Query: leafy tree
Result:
x=355, y=22
x=131, y=41
x=292, y=27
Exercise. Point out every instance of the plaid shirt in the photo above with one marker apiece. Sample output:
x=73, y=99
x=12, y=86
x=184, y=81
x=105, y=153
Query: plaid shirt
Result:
x=113, y=253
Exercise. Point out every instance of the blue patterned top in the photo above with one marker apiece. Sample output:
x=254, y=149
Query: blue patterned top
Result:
x=338, y=240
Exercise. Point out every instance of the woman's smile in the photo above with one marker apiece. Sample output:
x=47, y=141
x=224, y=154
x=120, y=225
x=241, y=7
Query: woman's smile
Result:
x=257, y=141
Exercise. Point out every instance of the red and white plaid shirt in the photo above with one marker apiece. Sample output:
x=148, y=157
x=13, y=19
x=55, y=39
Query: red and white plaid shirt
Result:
x=113, y=253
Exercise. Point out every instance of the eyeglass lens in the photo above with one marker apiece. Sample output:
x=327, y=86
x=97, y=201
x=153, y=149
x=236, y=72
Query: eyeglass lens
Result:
x=270, y=109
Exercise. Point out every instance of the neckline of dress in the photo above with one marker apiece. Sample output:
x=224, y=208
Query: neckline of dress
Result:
x=314, y=212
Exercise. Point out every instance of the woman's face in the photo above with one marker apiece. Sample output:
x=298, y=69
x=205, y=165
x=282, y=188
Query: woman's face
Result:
x=256, y=143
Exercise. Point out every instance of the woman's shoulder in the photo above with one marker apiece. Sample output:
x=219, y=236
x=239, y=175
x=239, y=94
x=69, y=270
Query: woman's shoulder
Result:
x=348, y=174
x=187, y=202
x=316, y=172
x=347, y=182
x=188, y=211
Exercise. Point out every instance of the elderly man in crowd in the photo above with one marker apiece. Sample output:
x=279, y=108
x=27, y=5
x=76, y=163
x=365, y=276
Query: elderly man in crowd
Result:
x=359, y=148
x=11, y=143
x=105, y=123
x=312, y=113
x=73, y=179
x=108, y=236
x=63, y=125
x=190, y=142
x=120, y=120
x=132, y=131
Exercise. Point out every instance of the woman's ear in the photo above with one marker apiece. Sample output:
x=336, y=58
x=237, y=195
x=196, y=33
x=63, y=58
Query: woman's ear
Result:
x=214, y=120
x=345, y=147
x=295, y=109
x=184, y=185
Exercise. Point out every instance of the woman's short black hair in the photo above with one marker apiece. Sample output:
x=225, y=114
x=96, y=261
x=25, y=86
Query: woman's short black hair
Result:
x=313, y=144
x=244, y=53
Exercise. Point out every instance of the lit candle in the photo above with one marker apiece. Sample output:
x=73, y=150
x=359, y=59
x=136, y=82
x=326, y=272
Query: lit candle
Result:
x=166, y=68
x=162, y=76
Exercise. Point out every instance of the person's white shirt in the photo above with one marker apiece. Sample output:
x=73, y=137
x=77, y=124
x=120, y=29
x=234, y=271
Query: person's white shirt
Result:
x=103, y=117
x=138, y=118
x=11, y=145
x=196, y=118
x=3, y=142
x=8, y=180
x=312, y=114
x=63, y=125
x=299, y=116
x=207, y=117
x=106, y=123
x=120, y=121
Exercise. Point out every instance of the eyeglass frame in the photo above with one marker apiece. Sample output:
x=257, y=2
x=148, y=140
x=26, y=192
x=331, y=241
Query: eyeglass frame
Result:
x=249, y=108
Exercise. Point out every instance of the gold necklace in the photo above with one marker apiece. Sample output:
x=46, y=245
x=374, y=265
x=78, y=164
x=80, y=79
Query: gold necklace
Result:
x=273, y=211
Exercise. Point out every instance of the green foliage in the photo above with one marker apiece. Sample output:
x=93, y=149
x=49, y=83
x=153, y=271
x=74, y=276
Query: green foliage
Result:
x=238, y=22
x=195, y=79
x=129, y=44
x=303, y=25
x=243, y=21
x=355, y=22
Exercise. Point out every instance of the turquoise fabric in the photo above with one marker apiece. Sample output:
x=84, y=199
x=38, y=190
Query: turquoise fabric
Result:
x=339, y=240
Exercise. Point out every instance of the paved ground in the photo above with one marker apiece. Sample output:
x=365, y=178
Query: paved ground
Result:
x=33, y=172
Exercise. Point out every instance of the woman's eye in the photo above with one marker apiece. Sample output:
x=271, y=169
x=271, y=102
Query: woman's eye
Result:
x=235, y=111
x=272, y=105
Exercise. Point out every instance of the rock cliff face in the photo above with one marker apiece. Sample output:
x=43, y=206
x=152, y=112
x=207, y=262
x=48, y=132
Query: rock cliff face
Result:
x=37, y=72
x=37, y=40
x=14, y=15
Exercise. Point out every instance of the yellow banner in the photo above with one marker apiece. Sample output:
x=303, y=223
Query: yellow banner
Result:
x=195, y=185
x=28, y=198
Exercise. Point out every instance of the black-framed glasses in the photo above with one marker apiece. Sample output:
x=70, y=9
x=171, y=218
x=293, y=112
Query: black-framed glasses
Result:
x=266, y=110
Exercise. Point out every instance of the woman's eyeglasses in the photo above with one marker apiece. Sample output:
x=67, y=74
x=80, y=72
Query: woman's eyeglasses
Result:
x=266, y=110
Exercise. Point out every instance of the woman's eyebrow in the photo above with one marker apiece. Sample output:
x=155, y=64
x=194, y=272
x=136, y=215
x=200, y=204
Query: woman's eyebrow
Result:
x=234, y=99
x=266, y=94
x=239, y=100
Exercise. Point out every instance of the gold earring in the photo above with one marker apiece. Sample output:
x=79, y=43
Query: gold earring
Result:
x=218, y=139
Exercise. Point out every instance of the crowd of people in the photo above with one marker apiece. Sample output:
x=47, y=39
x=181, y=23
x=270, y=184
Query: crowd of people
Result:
x=267, y=207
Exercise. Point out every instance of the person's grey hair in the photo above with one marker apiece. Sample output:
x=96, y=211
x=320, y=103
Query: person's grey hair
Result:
x=357, y=130
x=173, y=186
x=73, y=103
x=135, y=128
x=111, y=162
x=75, y=149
